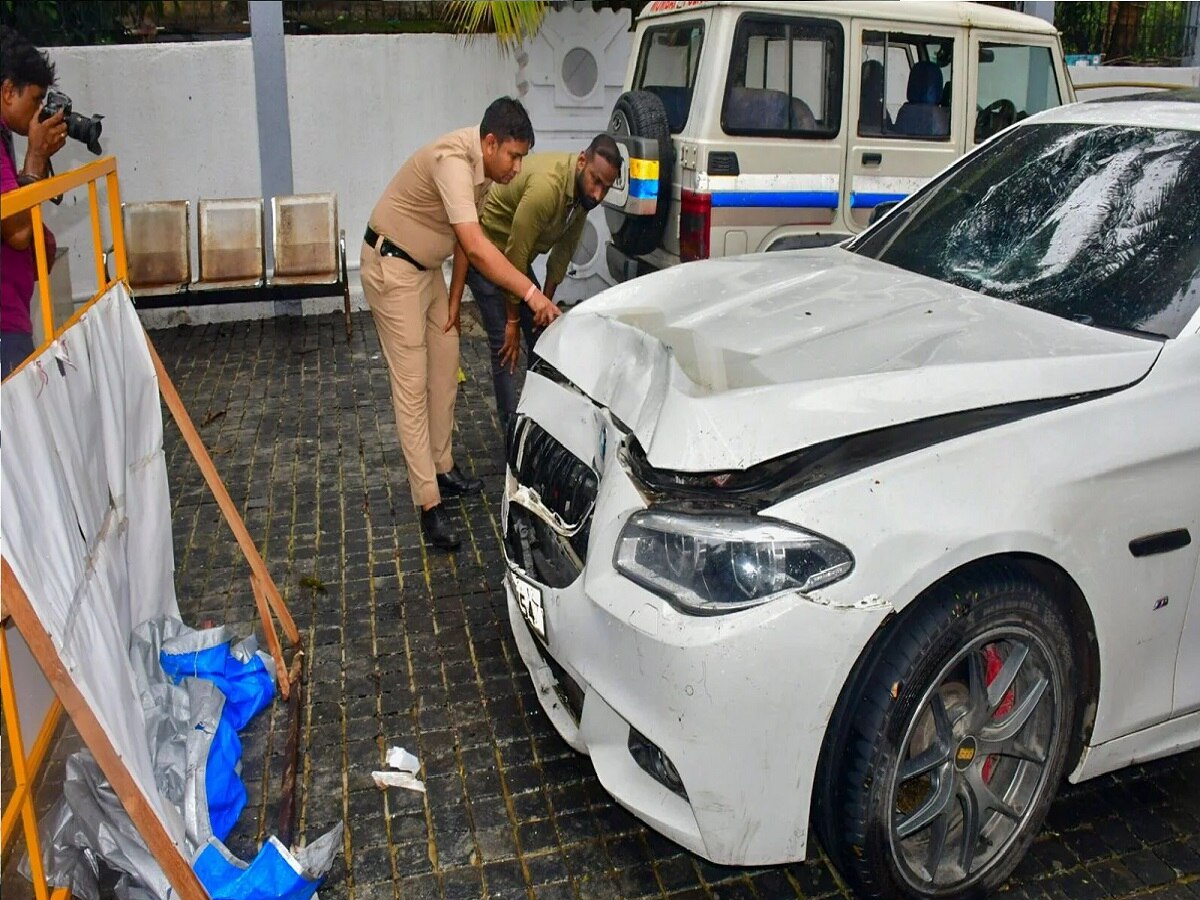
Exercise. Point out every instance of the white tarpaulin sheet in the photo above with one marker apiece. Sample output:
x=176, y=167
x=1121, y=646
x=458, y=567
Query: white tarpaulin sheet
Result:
x=82, y=448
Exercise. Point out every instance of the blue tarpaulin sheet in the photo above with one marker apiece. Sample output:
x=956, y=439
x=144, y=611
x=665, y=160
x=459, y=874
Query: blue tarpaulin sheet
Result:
x=273, y=875
x=248, y=688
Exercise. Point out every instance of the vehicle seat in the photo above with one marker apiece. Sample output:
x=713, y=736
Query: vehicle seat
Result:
x=758, y=109
x=802, y=115
x=677, y=100
x=921, y=116
x=873, y=117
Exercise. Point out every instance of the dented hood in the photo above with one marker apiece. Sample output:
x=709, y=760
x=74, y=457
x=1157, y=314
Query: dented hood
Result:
x=727, y=363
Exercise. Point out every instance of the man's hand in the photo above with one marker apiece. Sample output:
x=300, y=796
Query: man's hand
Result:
x=544, y=310
x=510, y=350
x=45, y=139
x=453, y=319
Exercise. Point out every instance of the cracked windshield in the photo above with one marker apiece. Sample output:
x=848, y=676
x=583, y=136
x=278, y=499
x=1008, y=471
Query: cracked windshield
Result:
x=1095, y=223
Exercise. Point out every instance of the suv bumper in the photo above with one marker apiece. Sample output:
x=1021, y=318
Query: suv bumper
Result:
x=623, y=267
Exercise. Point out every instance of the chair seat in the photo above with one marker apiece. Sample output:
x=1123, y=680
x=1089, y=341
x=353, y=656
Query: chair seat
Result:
x=319, y=278
x=157, y=290
x=226, y=284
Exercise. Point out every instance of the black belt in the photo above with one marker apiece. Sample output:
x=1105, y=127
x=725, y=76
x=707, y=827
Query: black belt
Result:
x=386, y=248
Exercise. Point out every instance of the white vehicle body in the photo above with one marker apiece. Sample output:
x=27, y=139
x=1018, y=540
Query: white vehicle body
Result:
x=1091, y=445
x=731, y=179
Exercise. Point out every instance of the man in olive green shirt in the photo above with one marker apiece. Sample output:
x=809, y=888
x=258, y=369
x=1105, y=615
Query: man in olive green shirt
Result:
x=543, y=209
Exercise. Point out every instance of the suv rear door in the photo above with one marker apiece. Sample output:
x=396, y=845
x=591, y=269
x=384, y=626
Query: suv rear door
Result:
x=907, y=118
x=776, y=154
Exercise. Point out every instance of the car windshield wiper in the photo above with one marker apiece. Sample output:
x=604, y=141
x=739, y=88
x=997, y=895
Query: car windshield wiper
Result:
x=1084, y=319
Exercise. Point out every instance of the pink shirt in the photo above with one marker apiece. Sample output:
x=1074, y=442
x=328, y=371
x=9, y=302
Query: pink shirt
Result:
x=18, y=270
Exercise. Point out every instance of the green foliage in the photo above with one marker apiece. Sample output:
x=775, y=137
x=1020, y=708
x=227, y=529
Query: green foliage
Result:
x=513, y=22
x=48, y=23
x=1126, y=32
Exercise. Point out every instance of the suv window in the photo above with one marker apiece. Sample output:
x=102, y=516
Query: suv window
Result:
x=667, y=67
x=905, y=85
x=1014, y=82
x=1095, y=223
x=785, y=78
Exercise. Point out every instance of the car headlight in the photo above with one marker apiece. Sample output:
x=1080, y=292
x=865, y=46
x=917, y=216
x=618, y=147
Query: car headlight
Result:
x=711, y=563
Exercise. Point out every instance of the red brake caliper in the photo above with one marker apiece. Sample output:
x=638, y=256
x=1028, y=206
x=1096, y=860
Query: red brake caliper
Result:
x=993, y=664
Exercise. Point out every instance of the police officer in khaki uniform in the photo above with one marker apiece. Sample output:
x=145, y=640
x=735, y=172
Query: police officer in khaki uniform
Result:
x=428, y=211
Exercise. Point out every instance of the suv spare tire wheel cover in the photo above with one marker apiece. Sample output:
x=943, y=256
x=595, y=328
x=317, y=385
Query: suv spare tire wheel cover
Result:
x=642, y=114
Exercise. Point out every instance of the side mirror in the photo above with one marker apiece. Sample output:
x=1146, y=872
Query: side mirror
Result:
x=882, y=210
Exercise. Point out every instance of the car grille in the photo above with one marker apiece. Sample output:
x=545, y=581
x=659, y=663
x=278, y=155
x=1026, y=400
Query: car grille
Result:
x=567, y=487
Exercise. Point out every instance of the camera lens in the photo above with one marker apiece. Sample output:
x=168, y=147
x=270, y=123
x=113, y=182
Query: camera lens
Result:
x=86, y=131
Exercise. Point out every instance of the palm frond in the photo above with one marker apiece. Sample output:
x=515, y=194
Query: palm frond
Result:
x=514, y=21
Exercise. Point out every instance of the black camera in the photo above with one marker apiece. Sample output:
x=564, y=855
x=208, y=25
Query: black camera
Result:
x=81, y=128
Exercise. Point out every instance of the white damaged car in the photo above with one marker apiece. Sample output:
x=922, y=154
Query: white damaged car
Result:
x=888, y=538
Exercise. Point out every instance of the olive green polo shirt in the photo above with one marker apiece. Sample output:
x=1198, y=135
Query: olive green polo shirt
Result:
x=536, y=213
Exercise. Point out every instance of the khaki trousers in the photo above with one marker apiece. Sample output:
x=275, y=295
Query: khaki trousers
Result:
x=410, y=309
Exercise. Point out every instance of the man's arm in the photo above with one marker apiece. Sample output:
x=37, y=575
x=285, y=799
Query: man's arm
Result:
x=496, y=268
x=458, y=279
x=45, y=139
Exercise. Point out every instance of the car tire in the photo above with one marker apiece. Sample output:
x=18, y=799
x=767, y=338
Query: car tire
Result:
x=641, y=113
x=905, y=771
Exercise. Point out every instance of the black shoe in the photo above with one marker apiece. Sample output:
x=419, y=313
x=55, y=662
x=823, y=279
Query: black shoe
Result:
x=435, y=523
x=454, y=484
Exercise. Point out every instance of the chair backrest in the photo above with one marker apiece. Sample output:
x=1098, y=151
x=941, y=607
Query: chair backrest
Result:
x=872, y=116
x=757, y=108
x=921, y=116
x=157, y=244
x=231, y=240
x=677, y=100
x=304, y=235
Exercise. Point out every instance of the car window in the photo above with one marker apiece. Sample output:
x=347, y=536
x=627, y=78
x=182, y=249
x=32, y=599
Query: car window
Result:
x=905, y=85
x=1095, y=223
x=1015, y=81
x=667, y=66
x=785, y=78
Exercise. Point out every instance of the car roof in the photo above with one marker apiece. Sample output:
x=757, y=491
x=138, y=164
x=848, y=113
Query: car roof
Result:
x=971, y=15
x=1179, y=109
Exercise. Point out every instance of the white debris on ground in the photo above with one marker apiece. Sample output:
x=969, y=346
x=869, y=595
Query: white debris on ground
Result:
x=407, y=765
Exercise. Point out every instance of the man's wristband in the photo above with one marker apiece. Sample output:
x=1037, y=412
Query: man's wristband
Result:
x=25, y=178
x=529, y=293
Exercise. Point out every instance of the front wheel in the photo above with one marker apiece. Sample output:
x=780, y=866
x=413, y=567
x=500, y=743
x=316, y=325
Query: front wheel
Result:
x=951, y=741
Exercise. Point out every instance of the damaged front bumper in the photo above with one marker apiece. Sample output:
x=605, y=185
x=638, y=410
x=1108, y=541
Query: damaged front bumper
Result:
x=708, y=728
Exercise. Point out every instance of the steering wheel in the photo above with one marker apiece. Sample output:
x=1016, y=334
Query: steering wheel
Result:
x=996, y=116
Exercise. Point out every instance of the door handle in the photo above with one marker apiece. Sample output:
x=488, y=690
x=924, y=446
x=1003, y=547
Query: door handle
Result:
x=872, y=159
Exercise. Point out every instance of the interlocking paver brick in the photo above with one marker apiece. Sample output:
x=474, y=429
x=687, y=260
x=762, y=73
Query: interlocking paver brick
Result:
x=412, y=648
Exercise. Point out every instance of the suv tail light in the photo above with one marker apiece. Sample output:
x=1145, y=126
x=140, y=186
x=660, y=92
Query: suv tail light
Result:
x=695, y=225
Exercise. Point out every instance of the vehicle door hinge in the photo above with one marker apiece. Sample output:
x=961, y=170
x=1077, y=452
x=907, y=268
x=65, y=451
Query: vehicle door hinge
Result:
x=689, y=154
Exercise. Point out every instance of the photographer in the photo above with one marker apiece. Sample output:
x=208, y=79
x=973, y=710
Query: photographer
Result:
x=25, y=75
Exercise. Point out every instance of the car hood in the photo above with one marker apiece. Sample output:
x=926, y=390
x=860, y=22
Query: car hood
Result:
x=727, y=363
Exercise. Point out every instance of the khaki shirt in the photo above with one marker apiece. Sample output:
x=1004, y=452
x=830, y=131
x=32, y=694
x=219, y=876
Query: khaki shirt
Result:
x=441, y=185
x=535, y=213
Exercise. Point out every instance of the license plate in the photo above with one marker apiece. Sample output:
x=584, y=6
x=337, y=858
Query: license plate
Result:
x=529, y=598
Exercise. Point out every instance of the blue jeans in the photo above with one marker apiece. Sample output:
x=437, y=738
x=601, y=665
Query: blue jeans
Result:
x=492, y=310
x=15, y=348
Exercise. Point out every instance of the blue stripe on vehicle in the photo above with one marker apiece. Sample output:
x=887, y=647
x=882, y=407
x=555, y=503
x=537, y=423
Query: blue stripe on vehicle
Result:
x=643, y=188
x=791, y=199
x=866, y=200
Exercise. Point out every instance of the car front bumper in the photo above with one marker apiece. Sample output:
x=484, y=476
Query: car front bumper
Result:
x=738, y=703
